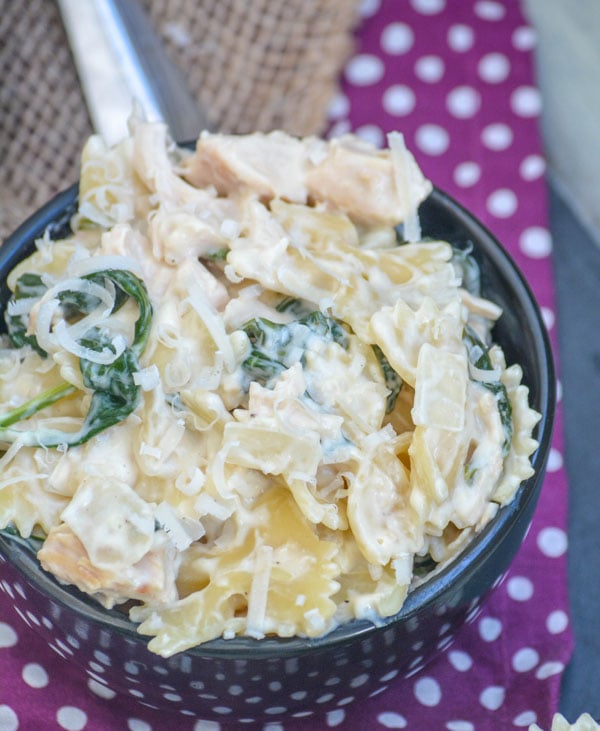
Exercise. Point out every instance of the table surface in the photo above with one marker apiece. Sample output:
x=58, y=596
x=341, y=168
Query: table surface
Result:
x=577, y=279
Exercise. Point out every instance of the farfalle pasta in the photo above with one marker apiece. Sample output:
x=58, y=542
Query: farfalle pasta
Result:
x=245, y=396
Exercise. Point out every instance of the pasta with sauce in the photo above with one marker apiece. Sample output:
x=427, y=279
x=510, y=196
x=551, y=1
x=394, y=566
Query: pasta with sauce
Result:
x=246, y=395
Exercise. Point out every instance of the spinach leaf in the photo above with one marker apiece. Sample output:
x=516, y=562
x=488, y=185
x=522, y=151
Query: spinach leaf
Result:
x=276, y=346
x=115, y=394
x=479, y=356
x=216, y=254
x=392, y=379
x=423, y=565
x=31, y=407
x=293, y=305
x=468, y=269
x=28, y=286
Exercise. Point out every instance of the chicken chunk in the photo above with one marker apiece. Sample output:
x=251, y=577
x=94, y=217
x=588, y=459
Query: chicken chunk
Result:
x=364, y=182
x=373, y=187
x=271, y=165
x=151, y=579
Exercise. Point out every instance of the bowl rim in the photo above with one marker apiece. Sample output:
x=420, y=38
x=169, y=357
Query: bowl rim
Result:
x=56, y=214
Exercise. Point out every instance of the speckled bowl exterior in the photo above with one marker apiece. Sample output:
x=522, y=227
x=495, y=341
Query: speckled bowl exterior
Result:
x=244, y=680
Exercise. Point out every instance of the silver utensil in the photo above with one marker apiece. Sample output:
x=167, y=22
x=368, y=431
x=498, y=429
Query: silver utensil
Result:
x=121, y=62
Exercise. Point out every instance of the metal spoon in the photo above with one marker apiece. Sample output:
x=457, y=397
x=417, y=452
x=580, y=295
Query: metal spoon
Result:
x=121, y=61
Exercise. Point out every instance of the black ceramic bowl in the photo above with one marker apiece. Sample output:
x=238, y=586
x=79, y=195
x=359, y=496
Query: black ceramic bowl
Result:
x=244, y=679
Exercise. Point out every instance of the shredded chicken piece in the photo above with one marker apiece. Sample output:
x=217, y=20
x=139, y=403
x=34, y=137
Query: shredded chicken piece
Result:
x=359, y=180
x=151, y=579
x=271, y=165
x=347, y=174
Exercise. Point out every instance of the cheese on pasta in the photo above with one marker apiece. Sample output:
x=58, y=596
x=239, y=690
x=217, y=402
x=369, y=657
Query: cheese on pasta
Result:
x=316, y=410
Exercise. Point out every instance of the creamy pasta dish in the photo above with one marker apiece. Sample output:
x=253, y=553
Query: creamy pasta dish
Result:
x=245, y=396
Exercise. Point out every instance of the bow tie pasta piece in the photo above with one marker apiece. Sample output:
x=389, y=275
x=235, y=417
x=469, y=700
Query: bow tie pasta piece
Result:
x=293, y=589
x=454, y=472
x=440, y=389
x=401, y=331
x=379, y=512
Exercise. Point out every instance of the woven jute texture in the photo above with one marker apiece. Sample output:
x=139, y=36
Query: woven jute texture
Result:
x=252, y=64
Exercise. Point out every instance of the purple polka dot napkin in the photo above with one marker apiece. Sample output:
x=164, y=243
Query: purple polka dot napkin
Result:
x=456, y=78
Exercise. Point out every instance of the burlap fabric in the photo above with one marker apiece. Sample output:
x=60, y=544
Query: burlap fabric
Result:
x=253, y=64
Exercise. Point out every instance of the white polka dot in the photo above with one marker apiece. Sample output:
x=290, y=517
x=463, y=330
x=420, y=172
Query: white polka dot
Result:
x=428, y=692
x=367, y=8
x=524, y=38
x=334, y=718
x=416, y=661
x=398, y=100
x=460, y=37
x=359, y=680
x=34, y=675
x=397, y=38
x=101, y=690
x=34, y=619
x=555, y=460
x=557, y=622
x=525, y=659
x=207, y=726
x=371, y=133
x=429, y=69
x=473, y=614
x=497, y=136
x=134, y=724
x=559, y=391
x=502, y=203
x=548, y=669
x=432, y=139
x=519, y=588
x=552, y=541
x=7, y=588
x=338, y=107
x=526, y=101
x=489, y=10
x=325, y=698
x=467, y=174
x=71, y=718
x=536, y=242
x=340, y=128
x=525, y=719
x=463, y=102
x=493, y=68
x=548, y=317
x=532, y=167
x=8, y=637
x=9, y=720
x=460, y=726
x=102, y=657
x=428, y=7
x=460, y=660
x=492, y=697
x=490, y=629
x=389, y=719
x=364, y=70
